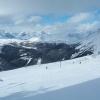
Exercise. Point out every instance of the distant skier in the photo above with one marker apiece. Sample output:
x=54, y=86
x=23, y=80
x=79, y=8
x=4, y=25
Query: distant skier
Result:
x=60, y=64
x=46, y=67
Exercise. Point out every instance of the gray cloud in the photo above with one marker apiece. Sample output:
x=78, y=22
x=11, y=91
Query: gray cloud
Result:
x=6, y=20
x=25, y=15
x=15, y=7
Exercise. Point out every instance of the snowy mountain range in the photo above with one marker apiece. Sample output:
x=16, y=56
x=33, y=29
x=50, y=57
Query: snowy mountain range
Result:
x=43, y=36
x=18, y=36
x=42, y=70
x=27, y=49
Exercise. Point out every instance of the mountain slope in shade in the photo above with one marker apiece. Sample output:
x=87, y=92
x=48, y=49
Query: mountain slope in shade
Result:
x=25, y=54
x=49, y=81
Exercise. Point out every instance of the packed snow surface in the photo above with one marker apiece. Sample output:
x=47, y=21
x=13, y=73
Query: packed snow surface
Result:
x=76, y=79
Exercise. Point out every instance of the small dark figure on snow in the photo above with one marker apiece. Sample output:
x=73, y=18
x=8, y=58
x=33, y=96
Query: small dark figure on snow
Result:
x=46, y=67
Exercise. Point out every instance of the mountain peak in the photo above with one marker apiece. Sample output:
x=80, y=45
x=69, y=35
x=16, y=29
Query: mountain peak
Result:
x=91, y=42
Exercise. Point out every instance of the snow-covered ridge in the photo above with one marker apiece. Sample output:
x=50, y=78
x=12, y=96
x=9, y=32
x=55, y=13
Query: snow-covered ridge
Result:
x=42, y=36
x=8, y=37
x=90, y=43
x=38, y=79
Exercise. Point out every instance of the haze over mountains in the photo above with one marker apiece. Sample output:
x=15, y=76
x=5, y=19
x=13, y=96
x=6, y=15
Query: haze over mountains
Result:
x=43, y=36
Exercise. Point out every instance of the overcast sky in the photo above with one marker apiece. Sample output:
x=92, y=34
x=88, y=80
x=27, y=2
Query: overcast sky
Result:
x=52, y=16
x=47, y=6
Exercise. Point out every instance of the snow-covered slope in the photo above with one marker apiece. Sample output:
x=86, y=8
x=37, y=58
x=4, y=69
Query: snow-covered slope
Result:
x=66, y=80
x=90, y=43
